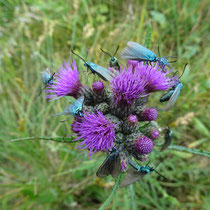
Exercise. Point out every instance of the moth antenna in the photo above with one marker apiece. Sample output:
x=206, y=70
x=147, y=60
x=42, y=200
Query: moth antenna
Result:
x=105, y=52
x=78, y=55
x=175, y=73
x=165, y=122
x=173, y=61
x=160, y=174
x=65, y=120
x=148, y=163
x=170, y=57
x=87, y=53
x=159, y=51
x=41, y=91
x=116, y=50
x=183, y=70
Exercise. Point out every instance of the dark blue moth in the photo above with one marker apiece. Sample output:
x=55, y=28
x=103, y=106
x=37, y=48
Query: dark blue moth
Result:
x=137, y=173
x=113, y=62
x=173, y=93
x=47, y=79
x=74, y=109
x=110, y=166
x=135, y=51
x=102, y=72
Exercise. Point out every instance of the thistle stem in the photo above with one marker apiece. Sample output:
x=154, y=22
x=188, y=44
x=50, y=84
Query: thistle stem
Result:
x=114, y=190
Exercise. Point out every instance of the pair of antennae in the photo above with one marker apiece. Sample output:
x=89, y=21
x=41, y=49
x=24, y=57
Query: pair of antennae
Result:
x=109, y=54
x=167, y=56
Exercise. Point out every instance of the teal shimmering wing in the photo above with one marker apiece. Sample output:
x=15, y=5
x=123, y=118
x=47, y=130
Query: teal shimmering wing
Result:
x=174, y=97
x=102, y=72
x=135, y=51
x=74, y=108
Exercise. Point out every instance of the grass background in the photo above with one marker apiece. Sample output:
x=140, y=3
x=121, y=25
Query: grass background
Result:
x=47, y=175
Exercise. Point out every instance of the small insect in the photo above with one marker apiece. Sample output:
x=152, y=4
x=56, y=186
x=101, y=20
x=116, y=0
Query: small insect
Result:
x=173, y=93
x=135, y=51
x=167, y=136
x=47, y=79
x=110, y=166
x=102, y=72
x=137, y=173
x=113, y=62
x=74, y=109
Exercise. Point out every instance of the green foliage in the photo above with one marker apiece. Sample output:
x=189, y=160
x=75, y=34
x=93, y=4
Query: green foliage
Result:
x=49, y=175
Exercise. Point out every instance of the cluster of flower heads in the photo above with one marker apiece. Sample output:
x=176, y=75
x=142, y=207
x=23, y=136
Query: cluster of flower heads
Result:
x=115, y=113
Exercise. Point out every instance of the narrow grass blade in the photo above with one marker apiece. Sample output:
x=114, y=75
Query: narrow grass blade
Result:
x=148, y=36
x=132, y=194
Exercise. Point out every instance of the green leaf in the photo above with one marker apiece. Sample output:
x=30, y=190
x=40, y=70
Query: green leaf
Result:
x=48, y=196
x=201, y=127
x=192, y=151
x=57, y=139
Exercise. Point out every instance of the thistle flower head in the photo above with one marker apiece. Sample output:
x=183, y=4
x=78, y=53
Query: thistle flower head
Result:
x=144, y=145
x=132, y=119
x=66, y=82
x=155, y=134
x=157, y=78
x=98, y=86
x=149, y=114
x=127, y=86
x=97, y=132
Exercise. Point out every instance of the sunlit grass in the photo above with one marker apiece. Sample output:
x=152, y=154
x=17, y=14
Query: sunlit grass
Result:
x=48, y=175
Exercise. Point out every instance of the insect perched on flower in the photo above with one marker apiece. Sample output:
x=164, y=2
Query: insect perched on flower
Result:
x=113, y=62
x=137, y=173
x=102, y=72
x=74, y=109
x=135, y=51
x=47, y=79
x=110, y=166
x=173, y=93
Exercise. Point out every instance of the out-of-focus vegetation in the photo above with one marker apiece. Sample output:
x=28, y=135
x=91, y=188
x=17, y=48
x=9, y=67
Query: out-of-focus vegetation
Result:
x=47, y=175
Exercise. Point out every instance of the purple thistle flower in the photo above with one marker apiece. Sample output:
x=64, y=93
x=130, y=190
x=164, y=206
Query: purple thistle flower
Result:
x=98, y=86
x=75, y=126
x=155, y=134
x=97, y=132
x=132, y=119
x=127, y=86
x=144, y=145
x=67, y=82
x=149, y=114
x=157, y=78
x=132, y=63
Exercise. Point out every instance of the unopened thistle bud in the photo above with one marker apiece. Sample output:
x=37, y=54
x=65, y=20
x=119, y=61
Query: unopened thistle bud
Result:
x=149, y=114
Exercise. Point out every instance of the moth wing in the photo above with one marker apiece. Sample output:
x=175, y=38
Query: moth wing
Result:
x=104, y=170
x=79, y=102
x=173, y=98
x=46, y=75
x=103, y=73
x=116, y=169
x=167, y=143
x=135, y=51
x=132, y=176
x=111, y=165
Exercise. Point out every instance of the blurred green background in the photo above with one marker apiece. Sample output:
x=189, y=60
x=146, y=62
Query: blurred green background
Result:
x=48, y=175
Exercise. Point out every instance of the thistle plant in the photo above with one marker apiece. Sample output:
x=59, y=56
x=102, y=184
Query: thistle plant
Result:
x=112, y=113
